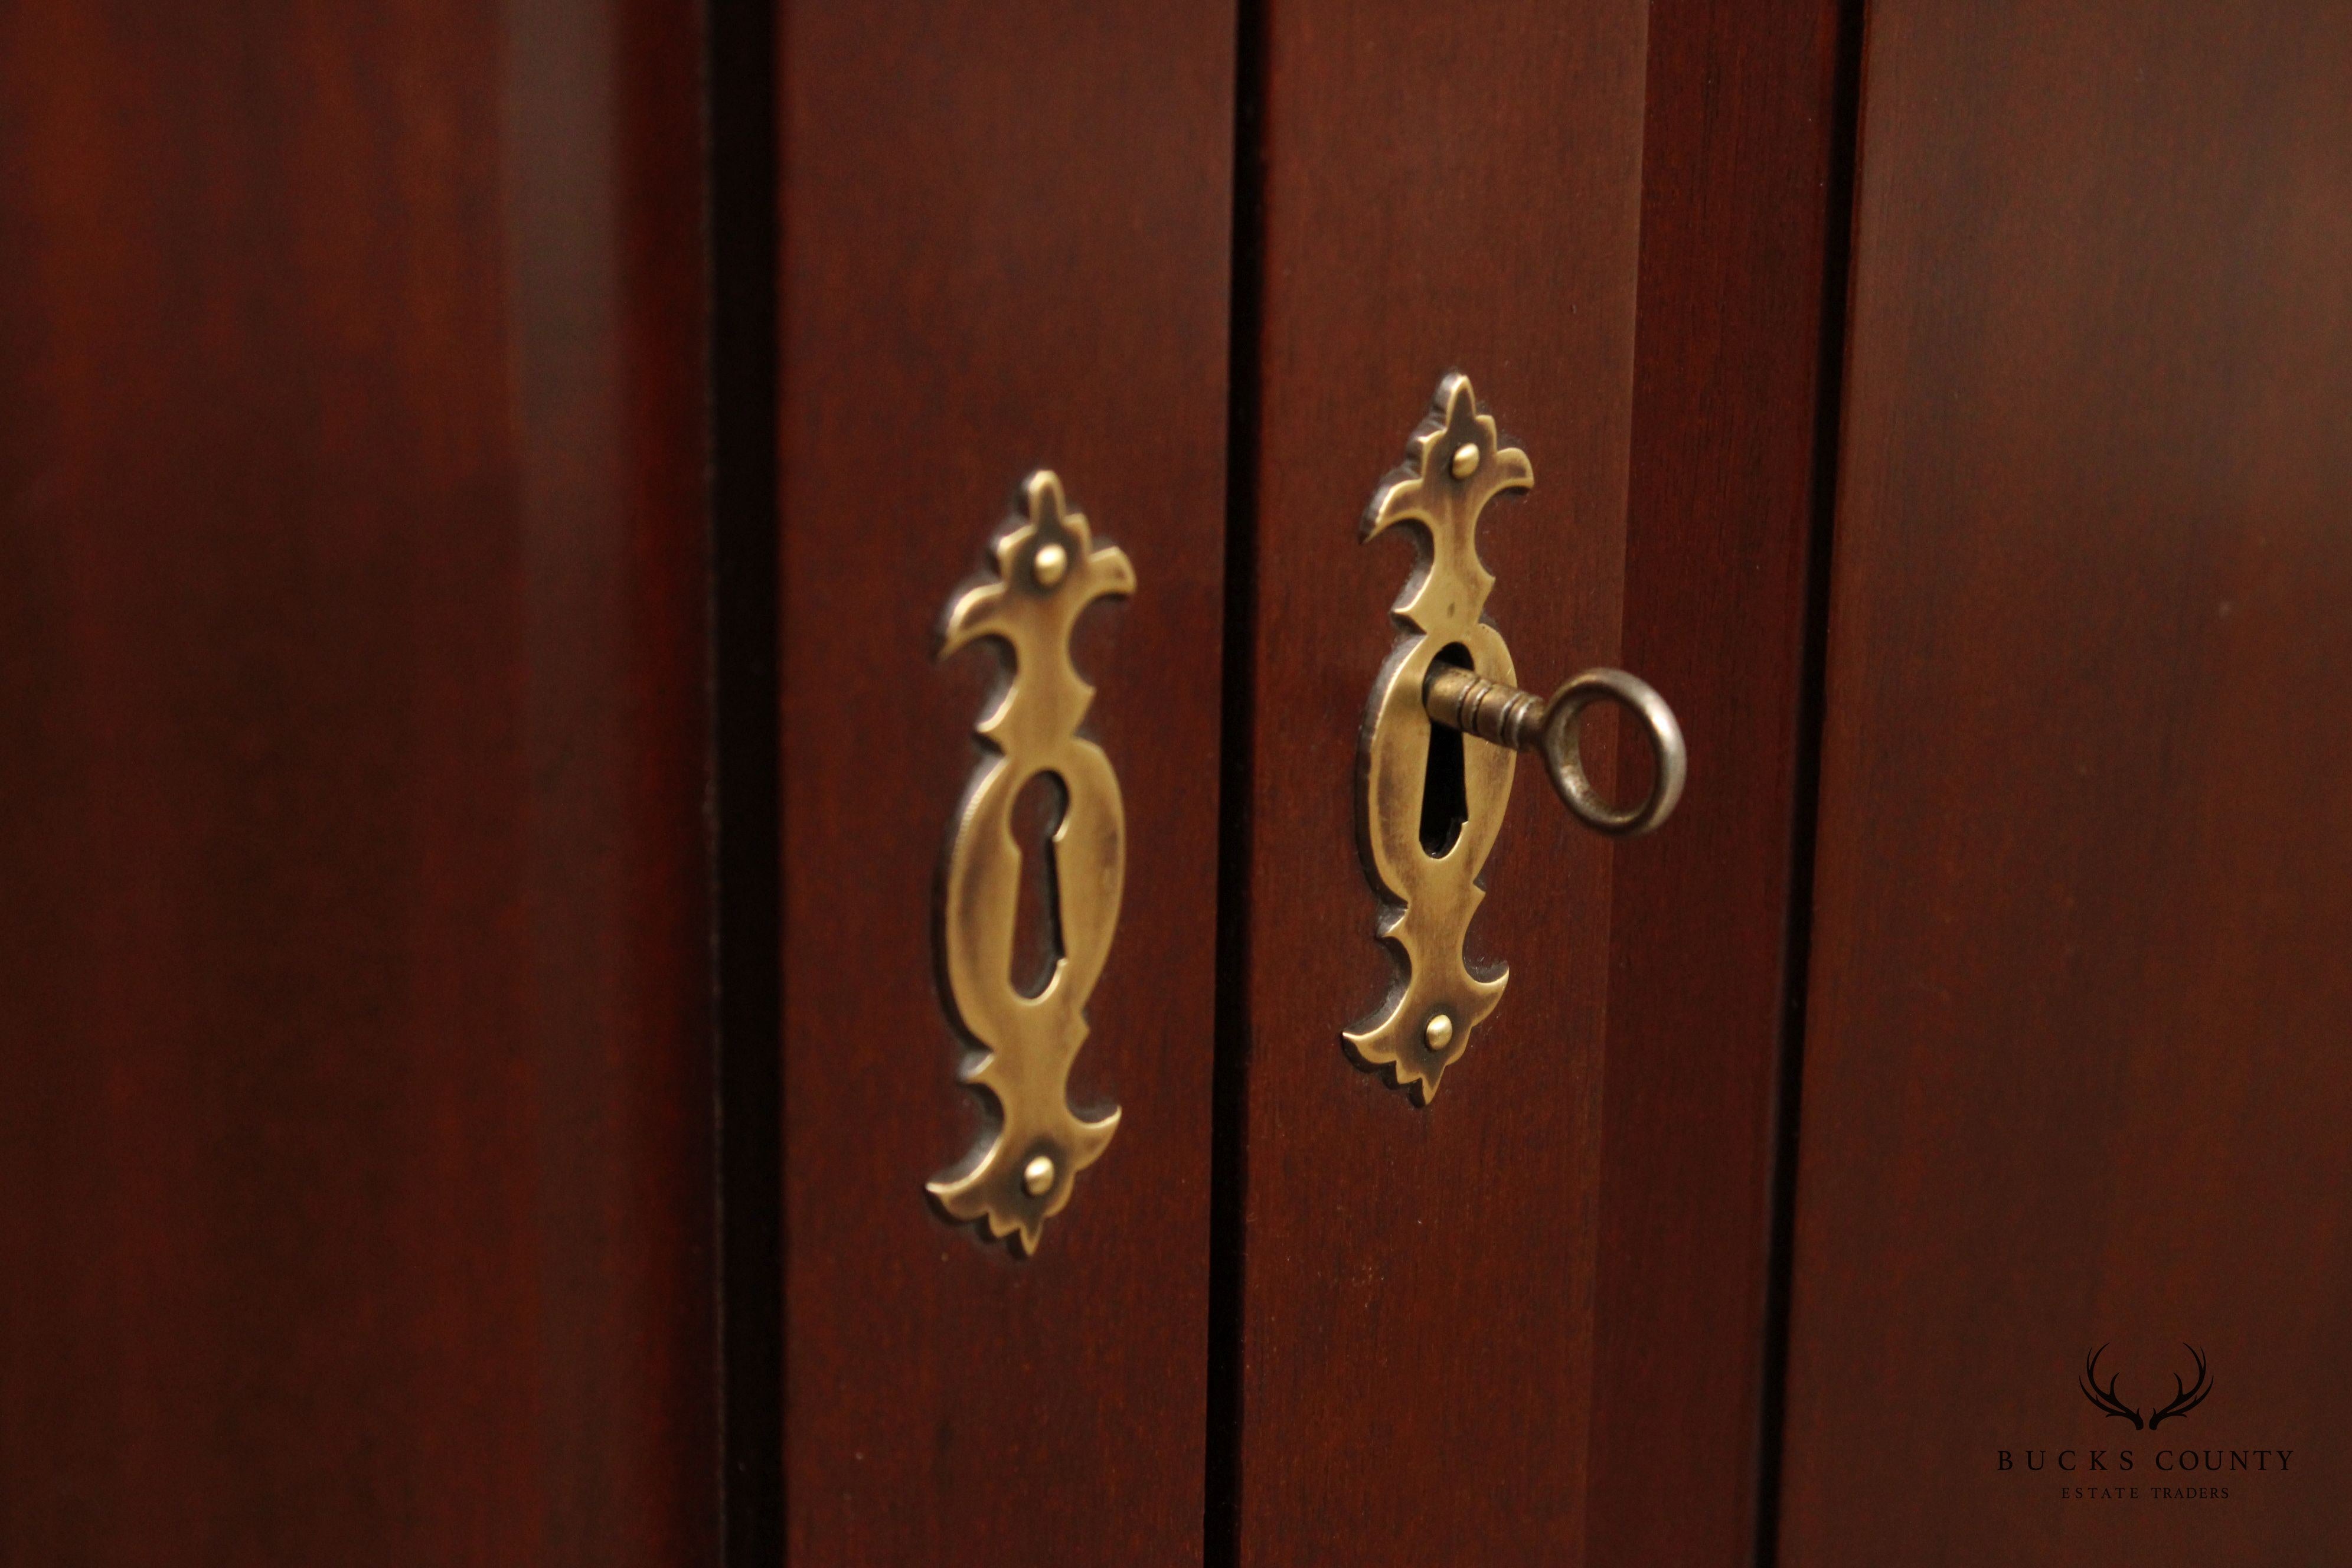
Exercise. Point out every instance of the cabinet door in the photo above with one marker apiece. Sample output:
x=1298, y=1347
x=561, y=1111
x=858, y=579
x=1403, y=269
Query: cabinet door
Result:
x=1006, y=246
x=354, y=1127
x=2076, y=1080
x=1524, y=1322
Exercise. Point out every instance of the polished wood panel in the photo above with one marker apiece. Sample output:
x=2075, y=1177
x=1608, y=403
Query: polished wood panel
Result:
x=1744, y=206
x=2076, y=1070
x=355, y=1128
x=1005, y=245
x=1443, y=188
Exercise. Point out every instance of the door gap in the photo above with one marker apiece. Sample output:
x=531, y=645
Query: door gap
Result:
x=747, y=824
x=1827, y=410
x=1229, y=1126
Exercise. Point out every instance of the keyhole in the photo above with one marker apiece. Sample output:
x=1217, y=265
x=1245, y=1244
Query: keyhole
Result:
x=1037, y=812
x=1445, y=792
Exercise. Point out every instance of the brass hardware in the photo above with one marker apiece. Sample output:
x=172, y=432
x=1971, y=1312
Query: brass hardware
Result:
x=1456, y=464
x=1520, y=720
x=1047, y=572
x=1037, y=1176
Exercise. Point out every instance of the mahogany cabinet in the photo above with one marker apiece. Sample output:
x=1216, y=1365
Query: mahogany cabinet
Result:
x=1210, y=270
x=1003, y=245
x=2076, y=1080
x=355, y=1146
x=629, y=938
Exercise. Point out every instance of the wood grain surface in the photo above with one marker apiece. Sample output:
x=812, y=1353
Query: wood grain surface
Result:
x=355, y=1129
x=1005, y=246
x=2076, y=1071
x=1744, y=208
x=1454, y=188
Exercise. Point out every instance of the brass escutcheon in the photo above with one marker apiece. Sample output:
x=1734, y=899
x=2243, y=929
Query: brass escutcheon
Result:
x=1454, y=464
x=1047, y=571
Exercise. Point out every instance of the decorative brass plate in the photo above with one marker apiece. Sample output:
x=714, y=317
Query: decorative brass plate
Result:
x=1454, y=465
x=1048, y=571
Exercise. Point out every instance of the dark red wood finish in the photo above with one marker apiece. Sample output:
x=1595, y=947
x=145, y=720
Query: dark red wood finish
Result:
x=2076, y=1073
x=355, y=1128
x=1007, y=233
x=1742, y=227
x=1449, y=187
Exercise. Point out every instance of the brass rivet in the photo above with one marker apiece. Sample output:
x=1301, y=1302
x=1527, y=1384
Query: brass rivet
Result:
x=1439, y=1031
x=1051, y=562
x=1037, y=1175
x=1465, y=460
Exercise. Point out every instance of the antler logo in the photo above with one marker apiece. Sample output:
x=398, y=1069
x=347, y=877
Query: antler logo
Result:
x=2184, y=1399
